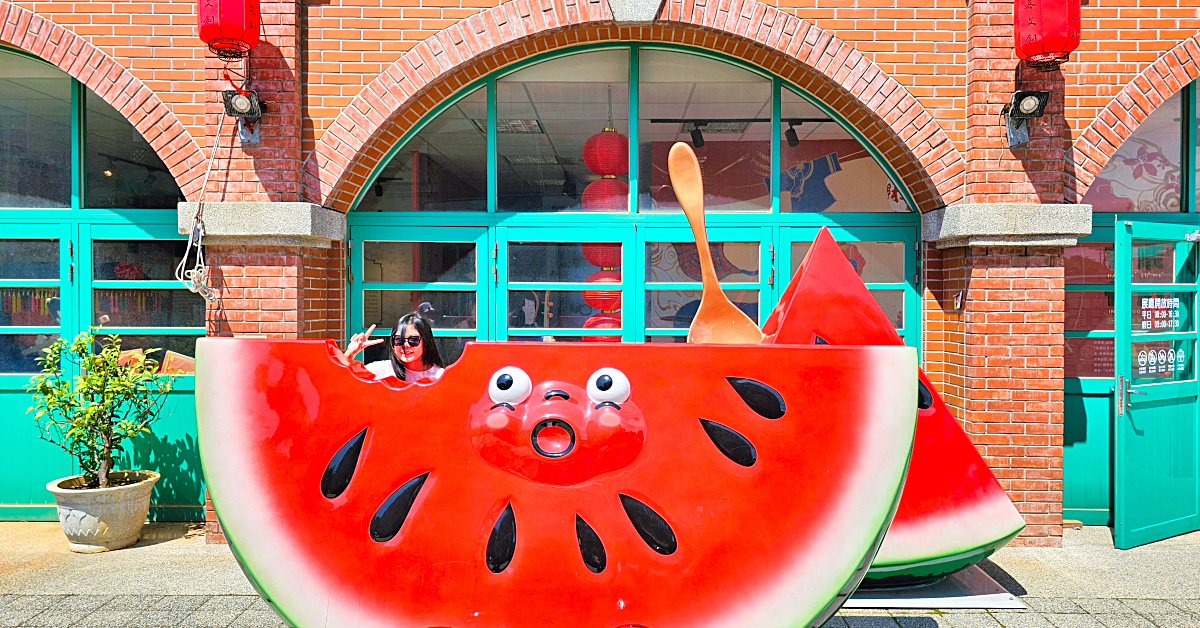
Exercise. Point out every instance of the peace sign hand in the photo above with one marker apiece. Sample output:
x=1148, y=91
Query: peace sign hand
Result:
x=361, y=341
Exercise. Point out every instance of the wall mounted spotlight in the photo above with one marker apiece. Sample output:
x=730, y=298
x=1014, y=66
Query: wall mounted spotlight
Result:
x=790, y=134
x=1023, y=106
x=378, y=190
x=697, y=135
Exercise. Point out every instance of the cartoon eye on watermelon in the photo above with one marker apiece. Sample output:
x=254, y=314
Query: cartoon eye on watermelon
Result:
x=953, y=512
x=555, y=484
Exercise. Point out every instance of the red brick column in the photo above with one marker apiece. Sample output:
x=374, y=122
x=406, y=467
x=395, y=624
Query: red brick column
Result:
x=999, y=361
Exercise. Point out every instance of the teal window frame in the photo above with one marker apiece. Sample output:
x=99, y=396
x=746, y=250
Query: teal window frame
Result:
x=1087, y=466
x=22, y=494
x=630, y=227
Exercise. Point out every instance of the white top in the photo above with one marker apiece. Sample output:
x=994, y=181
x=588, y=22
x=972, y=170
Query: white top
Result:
x=383, y=368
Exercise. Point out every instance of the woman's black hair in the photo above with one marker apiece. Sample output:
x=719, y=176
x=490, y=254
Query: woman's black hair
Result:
x=424, y=327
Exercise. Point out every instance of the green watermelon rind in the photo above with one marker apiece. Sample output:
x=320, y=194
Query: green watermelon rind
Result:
x=937, y=566
x=838, y=586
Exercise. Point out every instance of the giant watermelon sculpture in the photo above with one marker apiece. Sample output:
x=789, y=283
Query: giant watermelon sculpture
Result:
x=953, y=512
x=553, y=484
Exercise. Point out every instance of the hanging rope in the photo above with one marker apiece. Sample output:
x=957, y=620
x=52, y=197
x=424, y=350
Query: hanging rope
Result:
x=196, y=278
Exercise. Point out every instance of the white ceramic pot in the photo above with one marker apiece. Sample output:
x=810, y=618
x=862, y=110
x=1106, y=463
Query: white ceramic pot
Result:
x=102, y=519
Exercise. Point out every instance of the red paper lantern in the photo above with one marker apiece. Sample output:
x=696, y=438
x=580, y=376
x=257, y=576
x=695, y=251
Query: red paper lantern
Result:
x=229, y=27
x=607, y=153
x=603, y=320
x=604, y=300
x=1045, y=31
x=602, y=254
x=606, y=195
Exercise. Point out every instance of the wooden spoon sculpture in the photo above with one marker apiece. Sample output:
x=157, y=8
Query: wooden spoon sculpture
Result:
x=717, y=321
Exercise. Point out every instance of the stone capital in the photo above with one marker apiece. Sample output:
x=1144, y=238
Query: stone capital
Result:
x=266, y=223
x=1006, y=224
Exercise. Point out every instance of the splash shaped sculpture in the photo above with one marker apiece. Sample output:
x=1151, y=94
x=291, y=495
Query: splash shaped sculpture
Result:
x=953, y=512
x=556, y=484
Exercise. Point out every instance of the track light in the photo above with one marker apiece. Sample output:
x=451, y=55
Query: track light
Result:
x=697, y=136
x=378, y=190
x=790, y=136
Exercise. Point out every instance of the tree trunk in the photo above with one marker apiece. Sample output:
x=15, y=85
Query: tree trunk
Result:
x=105, y=462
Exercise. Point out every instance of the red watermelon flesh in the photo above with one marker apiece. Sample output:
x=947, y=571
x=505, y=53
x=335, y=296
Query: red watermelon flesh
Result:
x=953, y=512
x=695, y=486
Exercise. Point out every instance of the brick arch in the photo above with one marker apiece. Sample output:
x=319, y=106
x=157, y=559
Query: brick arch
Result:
x=75, y=55
x=1096, y=145
x=886, y=113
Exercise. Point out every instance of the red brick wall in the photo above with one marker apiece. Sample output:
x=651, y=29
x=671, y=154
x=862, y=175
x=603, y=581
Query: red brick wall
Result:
x=999, y=362
x=277, y=291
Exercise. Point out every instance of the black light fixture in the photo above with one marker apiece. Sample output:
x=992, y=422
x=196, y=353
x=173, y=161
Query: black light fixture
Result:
x=697, y=135
x=378, y=190
x=1025, y=105
x=790, y=135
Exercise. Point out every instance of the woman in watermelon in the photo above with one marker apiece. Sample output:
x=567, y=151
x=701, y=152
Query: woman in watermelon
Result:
x=414, y=355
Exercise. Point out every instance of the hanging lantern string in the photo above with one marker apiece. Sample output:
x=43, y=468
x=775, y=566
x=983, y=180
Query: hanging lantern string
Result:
x=610, y=120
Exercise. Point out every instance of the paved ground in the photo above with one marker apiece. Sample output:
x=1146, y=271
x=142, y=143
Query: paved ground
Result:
x=172, y=578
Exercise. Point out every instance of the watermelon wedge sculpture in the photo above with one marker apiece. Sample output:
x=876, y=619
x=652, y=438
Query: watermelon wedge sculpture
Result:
x=555, y=484
x=953, y=513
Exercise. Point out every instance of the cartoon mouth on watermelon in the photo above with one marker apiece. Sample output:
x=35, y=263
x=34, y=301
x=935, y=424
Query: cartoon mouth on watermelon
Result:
x=587, y=485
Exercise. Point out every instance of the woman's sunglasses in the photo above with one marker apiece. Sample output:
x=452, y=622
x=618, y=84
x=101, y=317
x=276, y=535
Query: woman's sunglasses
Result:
x=411, y=341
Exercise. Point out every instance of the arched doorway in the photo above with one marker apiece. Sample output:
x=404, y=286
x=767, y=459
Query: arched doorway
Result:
x=488, y=214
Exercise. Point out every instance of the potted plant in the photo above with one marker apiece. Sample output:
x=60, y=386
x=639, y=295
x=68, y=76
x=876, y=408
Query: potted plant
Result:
x=115, y=396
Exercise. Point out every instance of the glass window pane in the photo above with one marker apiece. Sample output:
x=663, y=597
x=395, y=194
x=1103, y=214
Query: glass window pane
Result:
x=545, y=116
x=19, y=352
x=131, y=260
x=1162, y=311
x=892, y=303
x=1089, y=357
x=1158, y=262
x=548, y=262
x=448, y=310
x=177, y=354
x=147, y=308
x=675, y=309
x=1089, y=311
x=1143, y=175
x=449, y=347
x=557, y=338
x=418, y=262
x=723, y=111
x=735, y=262
x=1089, y=262
x=122, y=168
x=1163, y=361
x=35, y=133
x=876, y=262
x=29, y=259
x=824, y=169
x=569, y=309
x=667, y=339
x=29, y=307
x=443, y=168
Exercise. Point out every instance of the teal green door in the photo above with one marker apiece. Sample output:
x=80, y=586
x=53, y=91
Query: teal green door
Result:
x=1157, y=480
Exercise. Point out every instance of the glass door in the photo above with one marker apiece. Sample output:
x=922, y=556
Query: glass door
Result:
x=1157, y=454
x=669, y=265
x=564, y=284
x=885, y=258
x=445, y=273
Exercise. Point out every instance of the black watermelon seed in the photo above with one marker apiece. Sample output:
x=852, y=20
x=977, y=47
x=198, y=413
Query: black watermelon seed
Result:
x=735, y=446
x=394, y=510
x=341, y=467
x=590, y=546
x=924, y=397
x=650, y=525
x=817, y=340
x=502, y=543
x=760, y=397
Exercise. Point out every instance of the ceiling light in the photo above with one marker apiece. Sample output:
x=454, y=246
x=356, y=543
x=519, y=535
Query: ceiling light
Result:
x=531, y=160
x=378, y=190
x=790, y=135
x=513, y=125
x=697, y=136
x=107, y=173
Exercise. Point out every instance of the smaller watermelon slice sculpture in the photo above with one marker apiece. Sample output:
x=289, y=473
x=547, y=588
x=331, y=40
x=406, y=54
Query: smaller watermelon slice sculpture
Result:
x=953, y=512
x=556, y=484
